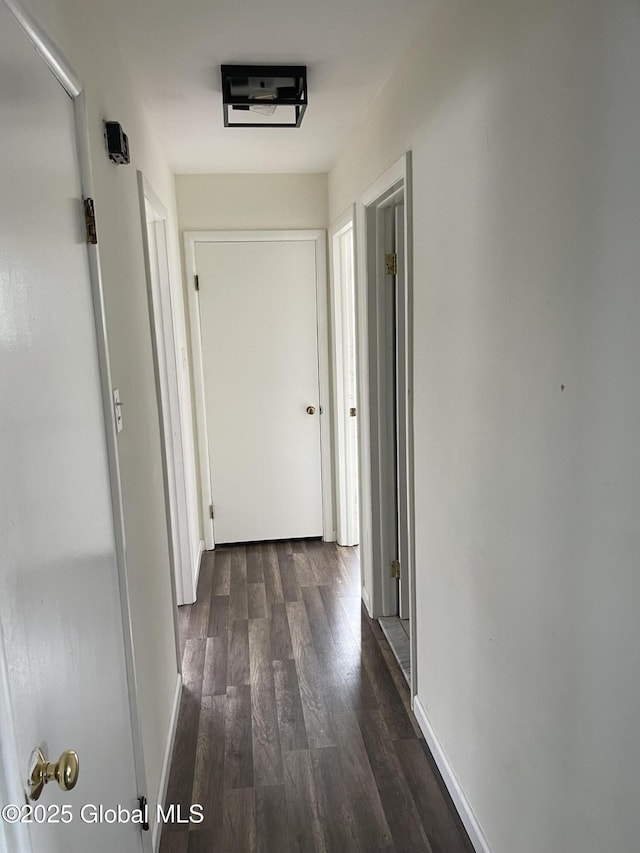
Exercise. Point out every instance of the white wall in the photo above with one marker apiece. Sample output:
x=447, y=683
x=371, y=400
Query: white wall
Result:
x=525, y=129
x=85, y=34
x=231, y=202
x=245, y=202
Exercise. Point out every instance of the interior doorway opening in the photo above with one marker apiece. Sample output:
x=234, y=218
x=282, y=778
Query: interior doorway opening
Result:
x=343, y=309
x=386, y=455
x=167, y=373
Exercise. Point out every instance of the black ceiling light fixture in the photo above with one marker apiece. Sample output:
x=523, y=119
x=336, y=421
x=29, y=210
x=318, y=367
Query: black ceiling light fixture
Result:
x=264, y=95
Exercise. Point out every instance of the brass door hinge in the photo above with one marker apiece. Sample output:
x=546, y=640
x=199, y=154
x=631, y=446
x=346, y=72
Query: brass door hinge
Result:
x=197, y=280
x=90, y=221
x=353, y=412
x=212, y=511
x=391, y=263
x=395, y=568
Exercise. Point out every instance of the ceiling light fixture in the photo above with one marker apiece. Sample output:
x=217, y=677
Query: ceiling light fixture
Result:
x=253, y=93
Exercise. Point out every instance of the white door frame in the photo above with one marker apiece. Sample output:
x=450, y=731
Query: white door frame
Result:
x=346, y=472
x=154, y=214
x=374, y=486
x=62, y=70
x=191, y=240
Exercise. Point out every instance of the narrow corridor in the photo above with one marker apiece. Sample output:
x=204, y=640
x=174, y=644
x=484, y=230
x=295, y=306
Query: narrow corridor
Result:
x=295, y=732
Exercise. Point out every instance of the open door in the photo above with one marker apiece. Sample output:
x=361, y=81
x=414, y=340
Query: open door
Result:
x=63, y=666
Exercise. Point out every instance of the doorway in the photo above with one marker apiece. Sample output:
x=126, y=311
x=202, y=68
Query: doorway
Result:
x=345, y=380
x=169, y=364
x=258, y=312
x=386, y=457
x=67, y=664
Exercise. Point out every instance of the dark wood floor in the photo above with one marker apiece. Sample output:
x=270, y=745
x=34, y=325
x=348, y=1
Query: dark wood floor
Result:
x=295, y=732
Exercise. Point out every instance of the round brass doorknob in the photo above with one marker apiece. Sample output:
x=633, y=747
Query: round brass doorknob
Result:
x=64, y=771
x=311, y=410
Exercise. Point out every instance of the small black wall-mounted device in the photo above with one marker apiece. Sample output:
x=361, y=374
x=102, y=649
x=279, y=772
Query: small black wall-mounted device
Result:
x=117, y=143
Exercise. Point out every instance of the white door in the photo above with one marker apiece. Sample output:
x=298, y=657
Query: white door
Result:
x=60, y=612
x=345, y=382
x=259, y=330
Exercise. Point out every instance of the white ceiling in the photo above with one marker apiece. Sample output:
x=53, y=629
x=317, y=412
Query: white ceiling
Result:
x=174, y=49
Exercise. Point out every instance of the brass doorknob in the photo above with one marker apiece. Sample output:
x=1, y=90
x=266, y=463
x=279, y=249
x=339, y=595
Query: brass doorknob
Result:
x=64, y=771
x=311, y=410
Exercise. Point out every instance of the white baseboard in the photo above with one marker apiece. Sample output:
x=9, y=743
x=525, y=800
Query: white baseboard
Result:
x=166, y=763
x=367, y=601
x=460, y=801
x=198, y=562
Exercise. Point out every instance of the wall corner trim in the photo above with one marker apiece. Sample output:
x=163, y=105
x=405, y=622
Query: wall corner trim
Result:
x=166, y=762
x=367, y=601
x=454, y=787
x=197, y=564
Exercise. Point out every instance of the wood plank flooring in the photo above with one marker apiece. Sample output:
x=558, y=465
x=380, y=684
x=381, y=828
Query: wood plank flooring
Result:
x=295, y=732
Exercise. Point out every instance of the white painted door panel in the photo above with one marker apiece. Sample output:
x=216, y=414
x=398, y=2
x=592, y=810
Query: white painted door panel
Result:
x=60, y=611
x=260, y=362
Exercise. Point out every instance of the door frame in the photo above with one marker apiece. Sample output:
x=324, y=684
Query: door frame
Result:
x=62, y=70
x=191, y=240
x=347, y=530
x=374, y=485
x=164, y=337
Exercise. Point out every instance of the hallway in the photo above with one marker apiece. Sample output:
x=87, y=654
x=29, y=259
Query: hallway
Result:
x=295, y=732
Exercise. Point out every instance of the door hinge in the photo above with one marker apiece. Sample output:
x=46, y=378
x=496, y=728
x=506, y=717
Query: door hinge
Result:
x=197, y=280
x=212, y=511
x=90, y=221
x=144, y=808
x=391, y=263
x=395, y=568
x=353, y=412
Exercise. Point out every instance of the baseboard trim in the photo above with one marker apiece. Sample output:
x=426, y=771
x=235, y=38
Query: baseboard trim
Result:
x=460, y=801
x=201, y=550
x=367, y=601
x=156, y=831
x=189, y=594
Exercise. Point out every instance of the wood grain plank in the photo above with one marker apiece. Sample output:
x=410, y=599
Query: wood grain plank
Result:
x=257, y=601
x=318, y=724
x=221, y=571
x=215, y=667
x=272, y=580
x=293, y=734
x=395, y=714
x=304, y=569
x=267, y=756
x=239, y=832
x=369, y=818
x=218, y=616
x=283, y=546
x=238, y=597
x=394, y=668
x=289, y=578
x=318, y=622
x=238, y=653
x=303, y=818
x=439, y=818
x=205, y=840
x=174, y=842
x=402, y=816
x=272, y=832
x=208, y=782
x=281, y=648
x=294, y=730
x=334, y=811
x=199, y=614
x=180, y=784
x=238, y=756
x=255, y=573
